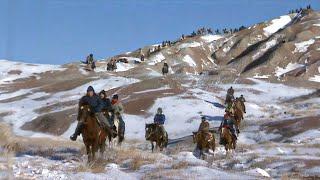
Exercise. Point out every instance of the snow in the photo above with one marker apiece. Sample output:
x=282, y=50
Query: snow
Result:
x=316, y=25
x=303, y=46
x=316, y=78
x=189, y=60
x=24, y=110
x=181, y=120
x=124, y=66
x=310, y=135
x=226, y=49
x=291, y=66
x=258, y=172
x=189, y=45
x=276, y=24
x=209, y=38
x=153, y=90
x=268, y=45
x=257, y=76
x=156, y=59
x=26, y=69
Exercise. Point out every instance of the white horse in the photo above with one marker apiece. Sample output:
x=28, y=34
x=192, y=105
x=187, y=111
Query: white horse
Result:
x=113, y=140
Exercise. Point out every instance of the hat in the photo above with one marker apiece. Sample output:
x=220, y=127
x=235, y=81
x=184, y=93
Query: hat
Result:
x=159, y=110
x=203, y=118
x=90, y=88
x=102, y=92
x=115, y=96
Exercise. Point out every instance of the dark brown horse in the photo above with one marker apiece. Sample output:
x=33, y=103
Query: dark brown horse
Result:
x=238, y=111
x=204, y=141
x=153, y=135
x=93, y=135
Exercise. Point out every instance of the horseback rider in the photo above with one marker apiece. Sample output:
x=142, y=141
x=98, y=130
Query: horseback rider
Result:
x=227, y=122
x=230, y=91
x=106, y=103
x=116, y=105
x=89, y=59
x=243, y=100
x=229, y=99
x=159, y=119
x=204, y=125
x=142, y=57
x=165, y=68
x=96, y=105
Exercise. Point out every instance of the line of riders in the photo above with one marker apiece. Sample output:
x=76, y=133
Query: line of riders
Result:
x=112, y=64
x=106, y=111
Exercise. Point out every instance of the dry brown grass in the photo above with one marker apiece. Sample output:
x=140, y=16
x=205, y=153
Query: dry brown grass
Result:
x=180, y=165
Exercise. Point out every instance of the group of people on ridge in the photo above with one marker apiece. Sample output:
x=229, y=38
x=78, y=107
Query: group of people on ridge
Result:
x=102, y=107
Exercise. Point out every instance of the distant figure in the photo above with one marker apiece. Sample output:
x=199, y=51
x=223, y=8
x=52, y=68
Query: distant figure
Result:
x=182, y=37
x=243, y=100
x=149, y=52
x=112, y=65
x=142, y=57
x=89, y=59
x=229, y=98
x=165, y=69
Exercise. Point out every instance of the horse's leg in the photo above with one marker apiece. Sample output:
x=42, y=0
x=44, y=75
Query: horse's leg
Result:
x=88, y=152
x=152, y=146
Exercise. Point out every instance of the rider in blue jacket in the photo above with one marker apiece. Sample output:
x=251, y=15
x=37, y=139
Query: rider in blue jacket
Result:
x=96, y=105
x=159, y=119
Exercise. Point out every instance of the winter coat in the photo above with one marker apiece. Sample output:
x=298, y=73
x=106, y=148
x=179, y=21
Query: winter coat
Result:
x=106, y=104
x=204, y=126
x=242, y=99
x=117, y=107
x=159, y=119
x=229, y=122
x=94, y=102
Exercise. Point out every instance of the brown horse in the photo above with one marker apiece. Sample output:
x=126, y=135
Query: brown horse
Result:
x=93, y=135
x=205, y=141
x=230, y=142
x=238, y=110
x=153, y=135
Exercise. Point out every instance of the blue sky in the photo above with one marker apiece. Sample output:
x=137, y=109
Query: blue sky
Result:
x=61, y=31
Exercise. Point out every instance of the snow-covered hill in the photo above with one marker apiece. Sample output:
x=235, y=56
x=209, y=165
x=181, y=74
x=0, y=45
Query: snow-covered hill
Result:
x=274, y=64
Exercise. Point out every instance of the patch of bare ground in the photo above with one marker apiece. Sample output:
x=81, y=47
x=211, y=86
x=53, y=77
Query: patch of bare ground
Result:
x=53, y=123
x=292, y=127
x=312, y=95
x=140, y=96
x=52, y=107
x=17, y=98
x=15, y=72
x=3, y=114
x=50, y=81
x=244, y=81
